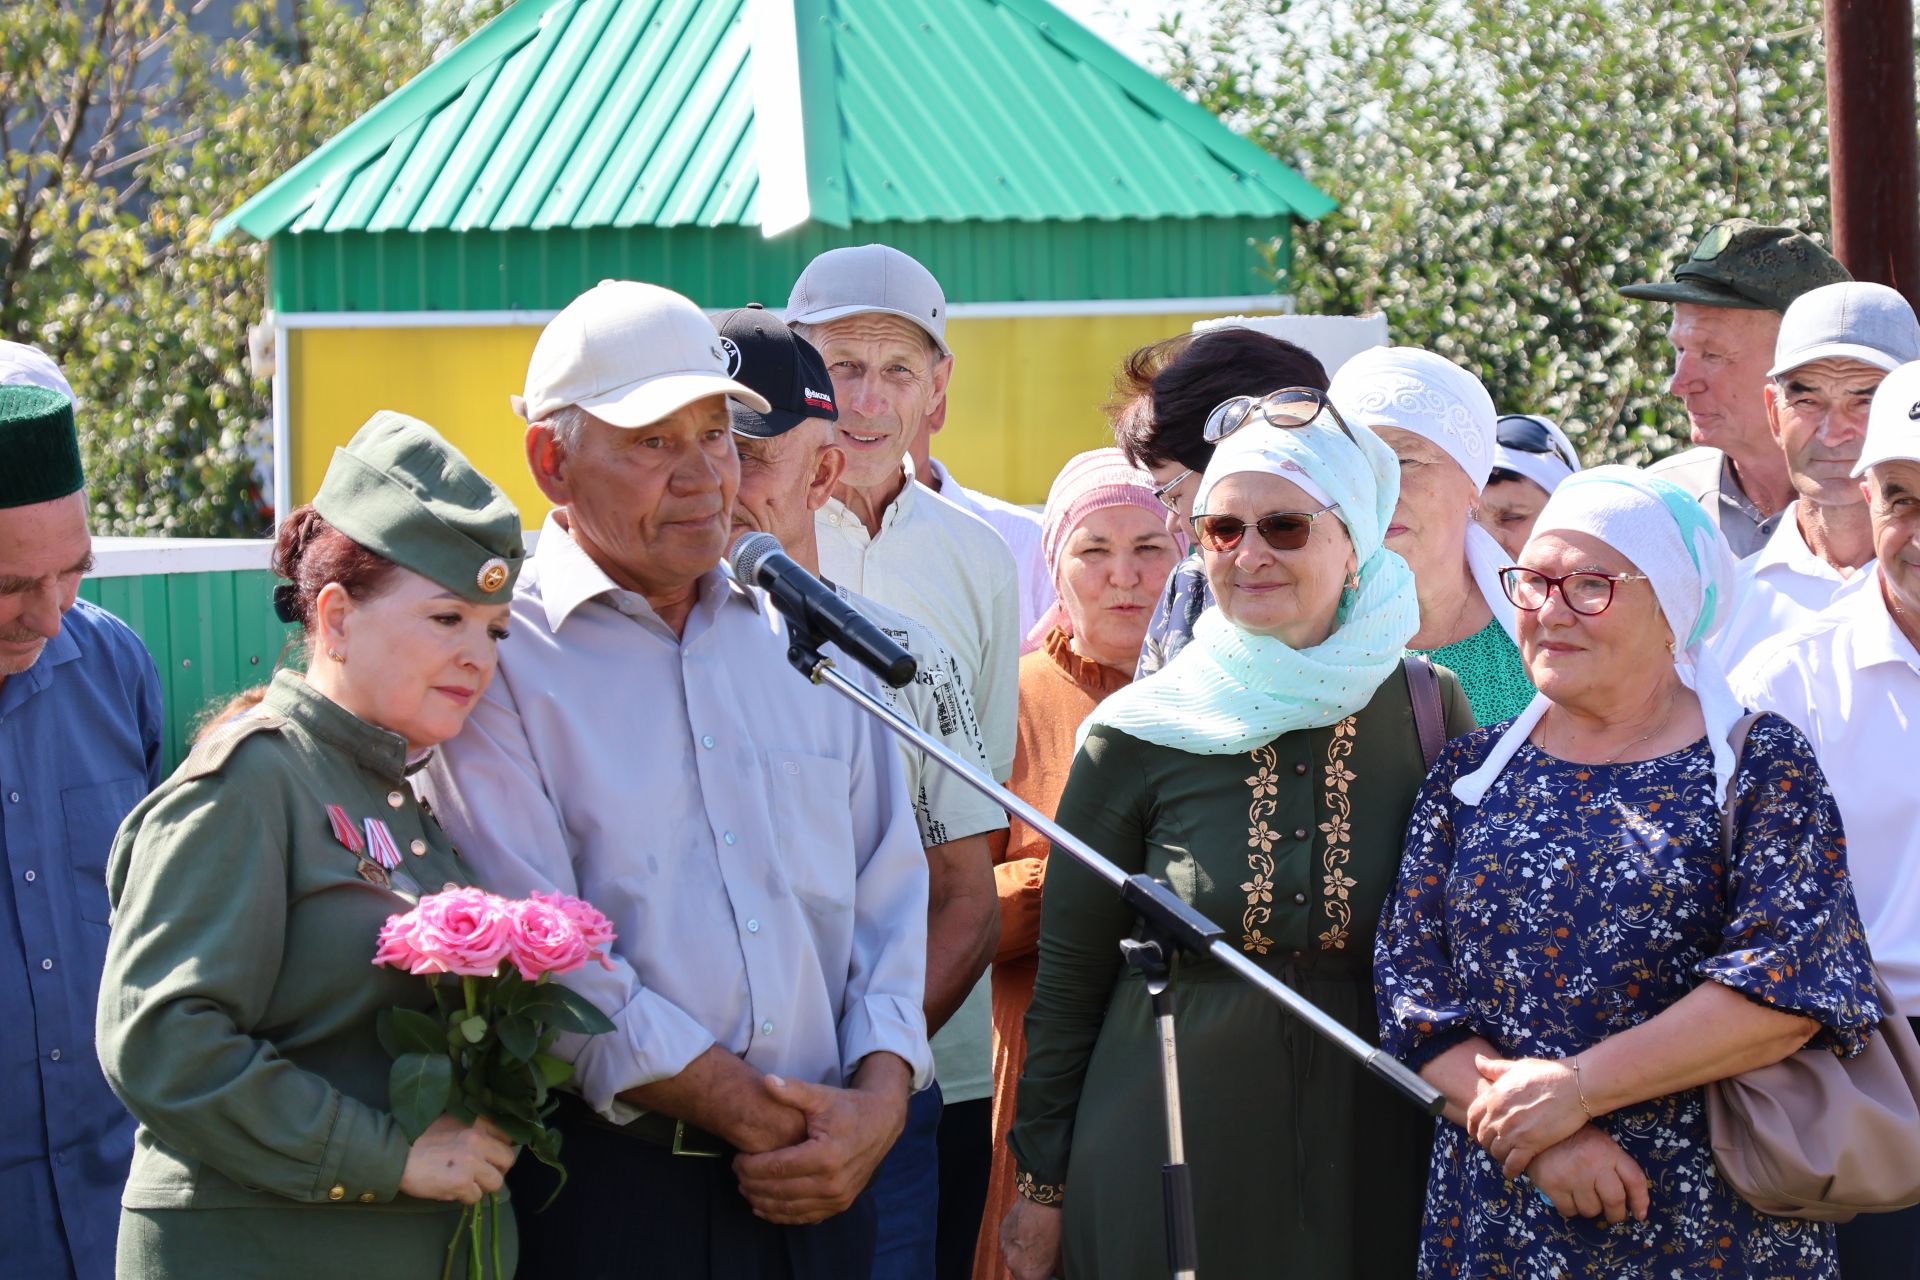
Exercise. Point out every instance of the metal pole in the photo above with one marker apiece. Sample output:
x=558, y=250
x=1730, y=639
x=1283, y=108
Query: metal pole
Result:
x=1158, y=906
x=1874, y=160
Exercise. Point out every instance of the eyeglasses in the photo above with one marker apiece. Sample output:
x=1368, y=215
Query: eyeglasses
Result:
x=1529, y=434
x=1281, y=530
x=1287, y=407
x=1160, y=492
x=1586, y=594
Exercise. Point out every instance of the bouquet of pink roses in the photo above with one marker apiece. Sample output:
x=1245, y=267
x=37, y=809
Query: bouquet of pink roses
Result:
x=485, y=1049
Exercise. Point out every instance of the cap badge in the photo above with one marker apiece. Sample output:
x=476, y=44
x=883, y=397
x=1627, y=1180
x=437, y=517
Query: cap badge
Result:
x=732, y=350
x=492, y=575
x=1715, y=241
x=1913, y=412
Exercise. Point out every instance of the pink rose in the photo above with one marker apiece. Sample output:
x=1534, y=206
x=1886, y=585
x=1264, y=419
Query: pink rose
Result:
x=544, y=940
x=594, y=927
x=396, y=943
x=464, y=931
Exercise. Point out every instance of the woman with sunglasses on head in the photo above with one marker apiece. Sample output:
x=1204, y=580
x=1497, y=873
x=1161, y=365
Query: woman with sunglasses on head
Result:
x=1181, y=383
x=1439, y=421
x=1266, y=774
x=1531, y=456
x=1581, y=939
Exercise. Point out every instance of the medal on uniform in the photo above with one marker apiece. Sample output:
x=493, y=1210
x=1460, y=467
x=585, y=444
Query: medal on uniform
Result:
x=374, y=874
x=380, y=844
x=344, y=830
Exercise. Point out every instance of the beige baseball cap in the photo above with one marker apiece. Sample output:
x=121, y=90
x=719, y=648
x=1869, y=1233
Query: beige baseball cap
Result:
x=1893, y=423
x=868, y=278
x=629, y=354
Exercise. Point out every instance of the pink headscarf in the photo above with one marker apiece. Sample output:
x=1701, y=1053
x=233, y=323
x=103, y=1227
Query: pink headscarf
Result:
x=1090, y=482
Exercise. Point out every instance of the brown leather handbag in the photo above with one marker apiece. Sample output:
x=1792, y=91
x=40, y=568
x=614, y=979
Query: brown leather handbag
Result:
x=1818, y=1136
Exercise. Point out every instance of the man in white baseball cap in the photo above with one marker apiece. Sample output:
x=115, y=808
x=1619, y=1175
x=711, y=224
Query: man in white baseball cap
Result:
x=1850, y=679
x=879, y=319
x=646, y=747
x=21, y=364
x=1836, y=344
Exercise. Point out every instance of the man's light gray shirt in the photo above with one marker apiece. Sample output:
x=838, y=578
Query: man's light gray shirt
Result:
x=748, y=833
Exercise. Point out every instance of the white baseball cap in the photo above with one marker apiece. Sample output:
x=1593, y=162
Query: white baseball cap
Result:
x=1850, y=320
x=629, y=354
x=865, y=279
x=22, y=365
x=1893, y=423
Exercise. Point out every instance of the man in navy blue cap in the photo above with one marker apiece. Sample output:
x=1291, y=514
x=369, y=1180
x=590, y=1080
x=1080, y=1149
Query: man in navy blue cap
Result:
x=80, y=735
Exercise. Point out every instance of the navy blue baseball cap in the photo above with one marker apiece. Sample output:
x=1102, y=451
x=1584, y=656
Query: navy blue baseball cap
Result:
x=767, y=357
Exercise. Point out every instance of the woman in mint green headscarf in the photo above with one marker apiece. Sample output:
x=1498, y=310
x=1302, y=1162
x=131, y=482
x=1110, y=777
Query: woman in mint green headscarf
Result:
x=1266, y=773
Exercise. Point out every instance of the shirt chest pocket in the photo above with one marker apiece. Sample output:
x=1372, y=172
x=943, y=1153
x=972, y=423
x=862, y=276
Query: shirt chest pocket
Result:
x=92, y=815
x=813, y=826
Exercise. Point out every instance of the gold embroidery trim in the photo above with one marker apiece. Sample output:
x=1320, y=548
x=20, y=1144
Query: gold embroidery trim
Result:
x=1265, y=785
x=1038, y=1192
x=1338, y=829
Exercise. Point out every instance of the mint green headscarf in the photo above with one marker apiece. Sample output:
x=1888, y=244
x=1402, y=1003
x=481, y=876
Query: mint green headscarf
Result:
x=1229, y=690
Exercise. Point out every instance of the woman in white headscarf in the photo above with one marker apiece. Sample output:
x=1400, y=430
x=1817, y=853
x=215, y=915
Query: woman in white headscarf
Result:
x=1440, y=422
x=1571, y=954
x=1266, y=774
x=1531, y=457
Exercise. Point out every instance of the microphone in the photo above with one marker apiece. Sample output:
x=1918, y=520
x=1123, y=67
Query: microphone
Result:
x=816, y=609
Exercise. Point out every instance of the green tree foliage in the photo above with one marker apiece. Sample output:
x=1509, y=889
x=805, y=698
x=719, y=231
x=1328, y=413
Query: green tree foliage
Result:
x=127, y=129
x=1503, y=166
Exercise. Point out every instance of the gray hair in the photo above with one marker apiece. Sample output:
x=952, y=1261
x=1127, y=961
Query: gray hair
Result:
x=567, y=423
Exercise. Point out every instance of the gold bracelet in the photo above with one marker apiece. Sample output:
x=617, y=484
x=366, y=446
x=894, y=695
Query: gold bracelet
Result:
x=1578, y=1088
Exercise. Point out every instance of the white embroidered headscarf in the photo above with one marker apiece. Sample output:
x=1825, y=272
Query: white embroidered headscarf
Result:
x=1229, y=690
x=1669, y=538
x=1436, y=399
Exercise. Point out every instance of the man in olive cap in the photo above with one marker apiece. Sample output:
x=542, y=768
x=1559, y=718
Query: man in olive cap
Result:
x=80, y=734
x=1728, y=298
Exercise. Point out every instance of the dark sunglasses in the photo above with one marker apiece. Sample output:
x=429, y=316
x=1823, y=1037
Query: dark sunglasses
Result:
x=1282, y=530
x=1526, y=433
x=1586, y=594
x=1287, y=407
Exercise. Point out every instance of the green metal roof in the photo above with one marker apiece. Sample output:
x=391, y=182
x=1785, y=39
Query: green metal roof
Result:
x=597, y=114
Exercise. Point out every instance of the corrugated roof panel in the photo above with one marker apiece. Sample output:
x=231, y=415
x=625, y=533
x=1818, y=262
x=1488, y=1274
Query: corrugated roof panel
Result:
x=581, y=114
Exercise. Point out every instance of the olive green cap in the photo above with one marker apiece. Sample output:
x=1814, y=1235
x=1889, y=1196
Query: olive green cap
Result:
x=39, y=452
x=1747, y=265
x=399, y=489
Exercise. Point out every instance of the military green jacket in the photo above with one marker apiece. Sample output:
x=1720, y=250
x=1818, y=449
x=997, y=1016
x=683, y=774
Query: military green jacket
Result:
x=237, y=1008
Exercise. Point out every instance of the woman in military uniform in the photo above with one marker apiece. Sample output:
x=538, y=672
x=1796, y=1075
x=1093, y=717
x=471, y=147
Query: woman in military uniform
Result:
x=1266, y=774
x=238, y=1005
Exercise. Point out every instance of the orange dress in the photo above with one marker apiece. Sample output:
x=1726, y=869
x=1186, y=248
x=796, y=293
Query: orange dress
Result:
x=1058, y=689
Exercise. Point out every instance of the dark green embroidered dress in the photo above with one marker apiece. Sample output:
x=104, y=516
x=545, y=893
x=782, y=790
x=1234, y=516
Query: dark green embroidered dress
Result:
x=1301, y=1166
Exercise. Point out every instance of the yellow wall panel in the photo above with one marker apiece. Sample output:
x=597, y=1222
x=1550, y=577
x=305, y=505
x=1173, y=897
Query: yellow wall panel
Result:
x=1026, y=395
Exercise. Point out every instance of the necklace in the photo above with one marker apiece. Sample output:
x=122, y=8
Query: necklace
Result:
x=1645, y=737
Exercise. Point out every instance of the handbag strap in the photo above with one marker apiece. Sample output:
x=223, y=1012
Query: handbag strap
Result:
x=1737, y=739
x=1429, y=717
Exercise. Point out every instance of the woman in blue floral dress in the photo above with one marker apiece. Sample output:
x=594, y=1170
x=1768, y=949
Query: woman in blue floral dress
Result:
x=1570, y=955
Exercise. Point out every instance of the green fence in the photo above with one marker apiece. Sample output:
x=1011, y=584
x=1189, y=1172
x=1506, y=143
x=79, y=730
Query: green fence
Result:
x=208, y=623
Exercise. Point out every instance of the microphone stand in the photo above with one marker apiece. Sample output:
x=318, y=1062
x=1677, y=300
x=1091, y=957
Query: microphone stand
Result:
x=1168, y=925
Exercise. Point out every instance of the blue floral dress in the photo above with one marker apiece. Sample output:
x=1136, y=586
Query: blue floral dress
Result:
x=1578, y=901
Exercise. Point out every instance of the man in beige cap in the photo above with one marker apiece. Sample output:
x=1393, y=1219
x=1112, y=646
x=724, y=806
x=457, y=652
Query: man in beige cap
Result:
x=1836, y=344
x=1727, y=302
x=646, y=747
x=878, y=318
x=1850, y=679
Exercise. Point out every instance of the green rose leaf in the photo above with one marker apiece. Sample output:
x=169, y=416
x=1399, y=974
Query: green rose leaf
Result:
x=417, y=1088
x=474, y=1029
x=553, y=1070
x=518, y=1036
x=570, y=1011
x=415, y=1032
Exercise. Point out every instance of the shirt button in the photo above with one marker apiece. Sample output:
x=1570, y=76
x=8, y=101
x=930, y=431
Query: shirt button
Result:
x=30, y=877
x=1300, y=769
x=728, y=837
x=395, y=799
x=419, y=848
x=55, y=1055
x=766, y=1028
x=337, y=1193
x=366, y=1197
x=1299, y=833
x=707, y=742
x=753, y=926
x=14, y=796
x=448, y=887
x=1299, y=899
x=46, y=964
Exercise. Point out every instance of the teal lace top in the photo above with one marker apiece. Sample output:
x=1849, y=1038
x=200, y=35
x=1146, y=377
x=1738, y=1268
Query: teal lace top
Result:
x=1488, y=664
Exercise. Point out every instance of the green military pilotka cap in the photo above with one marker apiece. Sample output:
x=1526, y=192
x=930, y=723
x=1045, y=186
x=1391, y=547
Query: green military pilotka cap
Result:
x=399, y=489
x=1747, y=265
x=39, y=450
